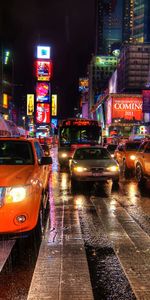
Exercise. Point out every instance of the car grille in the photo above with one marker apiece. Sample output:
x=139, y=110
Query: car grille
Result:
x=97, y=170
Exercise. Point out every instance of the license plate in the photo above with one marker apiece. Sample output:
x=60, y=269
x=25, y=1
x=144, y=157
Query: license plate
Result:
x=96, y=174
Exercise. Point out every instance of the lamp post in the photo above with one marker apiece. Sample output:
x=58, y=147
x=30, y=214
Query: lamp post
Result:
x=24, y=121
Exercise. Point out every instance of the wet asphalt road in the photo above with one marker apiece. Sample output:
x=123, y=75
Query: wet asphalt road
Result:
x=107, y=276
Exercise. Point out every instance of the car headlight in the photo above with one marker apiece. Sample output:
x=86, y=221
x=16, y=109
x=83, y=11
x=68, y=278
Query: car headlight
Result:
x=132, y=157
x=16, y=194
x=79, y=169
x=113, y=168
x=64, y=155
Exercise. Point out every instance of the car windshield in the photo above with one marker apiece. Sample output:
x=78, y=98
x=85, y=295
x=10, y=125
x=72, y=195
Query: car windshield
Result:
x=91, y=153
x=16, y=153
x=132, y=146
x=111, y=148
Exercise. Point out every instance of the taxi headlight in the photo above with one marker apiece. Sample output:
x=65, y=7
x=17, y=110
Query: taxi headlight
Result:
x=113, y=168
x=64, y=155
x=132, y=157
x=16, y=194
x=79, y=169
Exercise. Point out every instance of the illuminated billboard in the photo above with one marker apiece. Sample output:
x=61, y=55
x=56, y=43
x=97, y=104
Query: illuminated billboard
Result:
x=109, y=111
x=43, y=52
x=43, y=70
x=42, y=92
x=5, y=100
x=54, y=122
x=106, y=61
x=83, y=84
x=127, y=108
x=54, y=105
x=42, y=113
x=30, y=104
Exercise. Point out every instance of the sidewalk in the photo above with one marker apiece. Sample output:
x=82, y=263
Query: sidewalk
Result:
x=61, y=272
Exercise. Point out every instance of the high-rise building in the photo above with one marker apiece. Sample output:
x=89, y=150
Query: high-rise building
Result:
x=128, y=14
x=141, y=23
x=109, y=26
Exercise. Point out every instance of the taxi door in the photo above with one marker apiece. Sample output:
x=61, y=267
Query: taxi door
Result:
x=146, y=158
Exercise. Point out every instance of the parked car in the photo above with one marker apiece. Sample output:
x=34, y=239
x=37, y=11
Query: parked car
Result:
x=24, y=180
x=93, y=164
x=142, y=162
x=111, y=148
x=125, y=155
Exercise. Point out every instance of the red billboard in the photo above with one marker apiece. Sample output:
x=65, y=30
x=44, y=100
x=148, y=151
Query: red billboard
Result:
x=43, y=70
x=42, y=113
x=127, y=108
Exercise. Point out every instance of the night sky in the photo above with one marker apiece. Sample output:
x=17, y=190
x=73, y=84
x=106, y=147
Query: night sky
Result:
x=65, y=25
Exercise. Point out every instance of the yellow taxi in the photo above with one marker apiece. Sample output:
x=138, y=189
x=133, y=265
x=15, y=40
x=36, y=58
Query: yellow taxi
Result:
x=24, y=180
x=142, y=163
x=125, y=155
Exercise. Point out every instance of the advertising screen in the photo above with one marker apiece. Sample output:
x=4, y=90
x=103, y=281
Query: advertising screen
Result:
x=42, y=92
x=54, y=105
x=54, y=122
x=42, y=113
x=30, y=104
x=5, y=100
x=83, y=84
x=127, y=108
x=43, y=70
x=43, y=52
x=109, y=111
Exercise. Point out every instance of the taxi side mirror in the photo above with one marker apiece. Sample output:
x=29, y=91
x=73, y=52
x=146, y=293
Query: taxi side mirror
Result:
x=120, y=148
x=46, y=160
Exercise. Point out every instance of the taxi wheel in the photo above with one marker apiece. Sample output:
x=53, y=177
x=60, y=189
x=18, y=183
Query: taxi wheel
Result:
x=38, y=230
x=139, y=175
x=74, y=184
x=115, y=183
x=125, y=169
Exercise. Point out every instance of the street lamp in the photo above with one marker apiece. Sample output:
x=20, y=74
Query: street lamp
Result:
x=24, y=121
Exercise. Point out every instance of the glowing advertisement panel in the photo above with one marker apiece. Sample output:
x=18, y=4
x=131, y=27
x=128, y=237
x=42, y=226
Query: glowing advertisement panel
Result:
x=5, y=100
x=54, y=122
x=43, y=52
x=42, y=113
x=146, y=101
x=109, y=111
x=42, y=92
x=43, y=70
x=30, y=104
x=83, y=84
x=127, y=108
x=54, y=105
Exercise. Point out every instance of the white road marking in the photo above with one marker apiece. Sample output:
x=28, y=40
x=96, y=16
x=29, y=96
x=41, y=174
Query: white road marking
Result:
x=5, y=249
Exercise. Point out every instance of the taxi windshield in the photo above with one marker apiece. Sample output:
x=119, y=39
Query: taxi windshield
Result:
x=16, y=153
x=132, y=146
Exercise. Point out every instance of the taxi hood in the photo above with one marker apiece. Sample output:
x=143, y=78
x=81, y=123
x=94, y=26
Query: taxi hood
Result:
x=16, y=175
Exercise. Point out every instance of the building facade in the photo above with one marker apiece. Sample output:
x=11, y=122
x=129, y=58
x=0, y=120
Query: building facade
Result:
x=134, y=68
x=141, y=23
